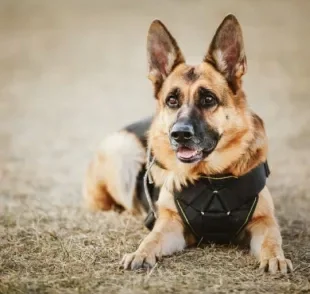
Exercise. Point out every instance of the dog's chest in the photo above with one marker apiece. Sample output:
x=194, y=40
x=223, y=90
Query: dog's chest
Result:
x=217, y=210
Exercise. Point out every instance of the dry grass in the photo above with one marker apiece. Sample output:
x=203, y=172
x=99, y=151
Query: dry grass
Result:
x=70, y=72
x=69, y=251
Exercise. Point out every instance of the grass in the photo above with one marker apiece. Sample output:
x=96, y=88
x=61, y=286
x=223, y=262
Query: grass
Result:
x=65, y=250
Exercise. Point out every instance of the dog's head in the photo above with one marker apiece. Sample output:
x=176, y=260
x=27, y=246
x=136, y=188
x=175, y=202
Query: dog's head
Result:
x=200, y=108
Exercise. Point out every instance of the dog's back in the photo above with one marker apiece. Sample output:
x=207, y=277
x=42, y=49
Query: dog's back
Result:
x=113, y=178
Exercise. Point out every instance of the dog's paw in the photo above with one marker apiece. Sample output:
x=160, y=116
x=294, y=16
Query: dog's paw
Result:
x=276, y=264
x=137, y=260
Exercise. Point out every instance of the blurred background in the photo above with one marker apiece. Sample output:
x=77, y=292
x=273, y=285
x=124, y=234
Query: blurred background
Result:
x=73, y=71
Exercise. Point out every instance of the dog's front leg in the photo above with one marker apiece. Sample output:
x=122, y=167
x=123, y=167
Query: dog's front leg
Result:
x=166, y=237
x=266, y=240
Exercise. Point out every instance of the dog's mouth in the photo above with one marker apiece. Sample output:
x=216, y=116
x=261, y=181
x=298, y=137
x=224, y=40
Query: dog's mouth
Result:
x=189, y=155
x=193, y=154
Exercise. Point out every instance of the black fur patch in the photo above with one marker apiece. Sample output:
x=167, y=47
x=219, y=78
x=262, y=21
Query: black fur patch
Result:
x=191, y=75
x=140, y=129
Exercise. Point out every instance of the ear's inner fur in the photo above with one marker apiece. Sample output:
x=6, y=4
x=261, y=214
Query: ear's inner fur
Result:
x=226, y=52
x=163, y=52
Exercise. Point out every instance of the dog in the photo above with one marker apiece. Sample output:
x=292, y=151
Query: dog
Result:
x=202, y=129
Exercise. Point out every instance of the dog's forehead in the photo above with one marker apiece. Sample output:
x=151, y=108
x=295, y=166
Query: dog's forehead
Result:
x=192, y=76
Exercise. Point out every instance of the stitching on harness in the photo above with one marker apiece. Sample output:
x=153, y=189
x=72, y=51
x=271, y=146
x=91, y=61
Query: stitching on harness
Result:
x=184, y=217
x=249, y=216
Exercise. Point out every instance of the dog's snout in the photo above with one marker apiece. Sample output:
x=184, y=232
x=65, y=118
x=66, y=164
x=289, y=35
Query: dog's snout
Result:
x=182, y=132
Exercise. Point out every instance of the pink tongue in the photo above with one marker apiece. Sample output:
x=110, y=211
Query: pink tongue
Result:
x=186, y=152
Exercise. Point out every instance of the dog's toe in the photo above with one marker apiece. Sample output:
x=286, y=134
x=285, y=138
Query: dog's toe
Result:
x=276, y=264
x=126, y=261
x=137, y=260
x=150, y=261
x=273, y=265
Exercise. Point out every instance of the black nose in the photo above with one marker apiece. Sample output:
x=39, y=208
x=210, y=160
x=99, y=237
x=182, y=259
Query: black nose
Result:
x=182, y=132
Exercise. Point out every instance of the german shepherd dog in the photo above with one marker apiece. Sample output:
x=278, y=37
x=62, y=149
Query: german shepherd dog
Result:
x=202, y=126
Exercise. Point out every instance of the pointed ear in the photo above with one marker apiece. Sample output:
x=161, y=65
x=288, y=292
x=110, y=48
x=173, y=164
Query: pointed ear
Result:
x=226, y=51
x=163, y=53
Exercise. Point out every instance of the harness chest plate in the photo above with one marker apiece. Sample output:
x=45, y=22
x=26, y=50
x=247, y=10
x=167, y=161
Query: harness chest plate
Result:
x=208, y=214
x=218, y=209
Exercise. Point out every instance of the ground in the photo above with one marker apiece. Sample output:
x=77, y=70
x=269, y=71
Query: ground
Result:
x=72, y=72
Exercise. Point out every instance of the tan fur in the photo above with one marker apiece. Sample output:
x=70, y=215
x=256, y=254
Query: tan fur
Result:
x=167, y=236
x=243, y=145
x=111, y=176
x=266, y=241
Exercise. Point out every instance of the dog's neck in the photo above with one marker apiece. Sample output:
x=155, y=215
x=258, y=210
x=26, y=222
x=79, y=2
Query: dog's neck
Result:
x=256, y=150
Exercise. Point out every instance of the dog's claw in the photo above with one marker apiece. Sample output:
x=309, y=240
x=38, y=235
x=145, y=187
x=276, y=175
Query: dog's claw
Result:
x=137, y=260
x=275, y=265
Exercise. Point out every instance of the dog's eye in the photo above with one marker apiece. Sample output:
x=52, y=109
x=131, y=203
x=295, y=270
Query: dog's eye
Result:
x=172, y=102
x=206, y=98
x=207, y=101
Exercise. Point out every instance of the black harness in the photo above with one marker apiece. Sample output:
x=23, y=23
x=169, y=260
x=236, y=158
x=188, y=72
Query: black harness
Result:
x=218, y=209
x=215, y=209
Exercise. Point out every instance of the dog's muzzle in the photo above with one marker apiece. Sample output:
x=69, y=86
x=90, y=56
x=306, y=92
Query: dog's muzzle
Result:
x=190, y=146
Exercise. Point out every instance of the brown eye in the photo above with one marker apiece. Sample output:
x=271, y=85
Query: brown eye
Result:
x=172, y=102
x=207, y=101
x=207, y=98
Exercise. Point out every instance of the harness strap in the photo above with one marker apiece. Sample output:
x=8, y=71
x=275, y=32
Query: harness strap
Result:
x=147, y=180
x=148, y=177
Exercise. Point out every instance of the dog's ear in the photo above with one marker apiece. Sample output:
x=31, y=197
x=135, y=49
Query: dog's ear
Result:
x=163, y=53
x=226, y=51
